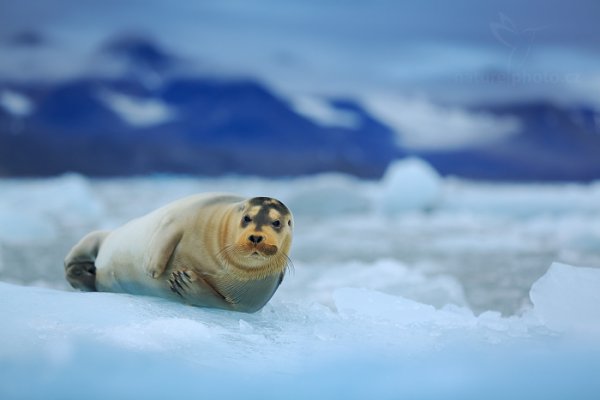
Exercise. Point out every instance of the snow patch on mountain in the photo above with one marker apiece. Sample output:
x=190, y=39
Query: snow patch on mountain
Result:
x=138, y=112
x=15, y=103
x=323, y=113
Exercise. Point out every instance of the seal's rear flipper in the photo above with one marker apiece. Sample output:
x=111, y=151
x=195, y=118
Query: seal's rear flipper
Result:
x=82, y=276
x=80, y=270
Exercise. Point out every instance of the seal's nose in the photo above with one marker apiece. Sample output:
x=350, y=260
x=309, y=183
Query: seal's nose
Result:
x=256, y=239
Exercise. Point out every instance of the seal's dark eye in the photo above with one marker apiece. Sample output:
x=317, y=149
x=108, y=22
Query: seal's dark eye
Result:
x=276, y=223
x=247, y=219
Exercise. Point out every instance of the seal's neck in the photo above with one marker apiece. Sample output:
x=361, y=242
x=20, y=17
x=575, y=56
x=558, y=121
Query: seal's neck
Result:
x=248, y=295
x=239, y=269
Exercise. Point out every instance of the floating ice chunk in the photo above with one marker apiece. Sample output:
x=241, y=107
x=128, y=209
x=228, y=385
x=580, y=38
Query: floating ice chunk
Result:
x=567, y=299
x=373, y=304
x=386, y=275
x=328, y=195
x=20, y=227
x=410, y=184
x=380, y=306
x=68, y=199
x=520, y=200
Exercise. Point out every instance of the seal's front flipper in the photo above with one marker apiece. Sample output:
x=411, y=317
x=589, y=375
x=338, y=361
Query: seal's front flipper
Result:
x=162, y=245
x=80, y=270
x=243, y=296
x=197, y=290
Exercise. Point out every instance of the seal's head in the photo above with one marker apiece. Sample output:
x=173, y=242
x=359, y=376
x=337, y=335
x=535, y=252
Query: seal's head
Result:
x=263, y=235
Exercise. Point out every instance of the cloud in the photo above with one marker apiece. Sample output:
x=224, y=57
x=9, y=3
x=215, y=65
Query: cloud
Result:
x=423, y=125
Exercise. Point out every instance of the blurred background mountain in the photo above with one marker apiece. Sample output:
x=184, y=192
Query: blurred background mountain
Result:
x=497, y=90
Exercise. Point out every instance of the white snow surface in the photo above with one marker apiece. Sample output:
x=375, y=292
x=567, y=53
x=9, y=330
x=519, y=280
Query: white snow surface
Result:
x=447, y=292
x=104, y=344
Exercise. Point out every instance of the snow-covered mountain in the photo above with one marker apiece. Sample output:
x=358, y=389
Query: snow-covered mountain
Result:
x=188, y=125
x=142, y=109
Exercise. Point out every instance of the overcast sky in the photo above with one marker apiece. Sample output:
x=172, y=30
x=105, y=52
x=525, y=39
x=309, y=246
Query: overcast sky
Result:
x=337, y=43
x=573, y=23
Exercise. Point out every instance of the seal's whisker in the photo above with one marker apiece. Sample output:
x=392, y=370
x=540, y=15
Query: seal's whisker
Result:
x=289, y=266
x=224, y=250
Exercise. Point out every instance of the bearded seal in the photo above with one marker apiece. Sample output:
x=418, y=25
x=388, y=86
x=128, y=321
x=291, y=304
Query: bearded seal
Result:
x=208, y=250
